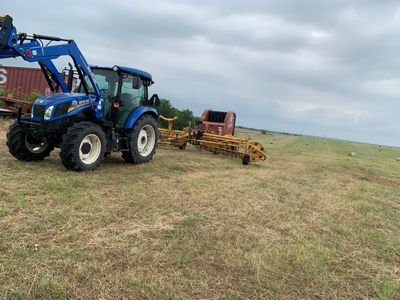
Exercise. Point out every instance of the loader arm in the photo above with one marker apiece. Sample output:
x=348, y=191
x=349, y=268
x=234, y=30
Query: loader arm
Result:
x=31, y=48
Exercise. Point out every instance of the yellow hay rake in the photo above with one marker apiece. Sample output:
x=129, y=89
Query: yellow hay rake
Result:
x=227, y=145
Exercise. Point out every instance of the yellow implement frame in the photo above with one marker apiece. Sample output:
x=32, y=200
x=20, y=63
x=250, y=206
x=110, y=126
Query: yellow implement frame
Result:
x=243, y=148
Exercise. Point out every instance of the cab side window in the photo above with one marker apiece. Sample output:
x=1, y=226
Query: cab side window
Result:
x=129, y=95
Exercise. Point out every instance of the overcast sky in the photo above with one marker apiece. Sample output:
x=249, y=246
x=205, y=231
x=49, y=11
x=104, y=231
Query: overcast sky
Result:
x=326, y=68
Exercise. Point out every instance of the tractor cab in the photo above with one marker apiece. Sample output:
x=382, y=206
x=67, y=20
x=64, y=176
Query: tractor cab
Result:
x=123, y=89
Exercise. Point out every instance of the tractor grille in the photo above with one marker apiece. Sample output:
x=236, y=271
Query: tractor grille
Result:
x=62, y=109
x=38, y=111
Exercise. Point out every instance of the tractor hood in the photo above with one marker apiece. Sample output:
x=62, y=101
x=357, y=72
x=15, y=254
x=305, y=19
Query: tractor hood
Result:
x=54, y=99
x=55, y=106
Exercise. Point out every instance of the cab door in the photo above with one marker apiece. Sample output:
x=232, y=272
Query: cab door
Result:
x=133, y=94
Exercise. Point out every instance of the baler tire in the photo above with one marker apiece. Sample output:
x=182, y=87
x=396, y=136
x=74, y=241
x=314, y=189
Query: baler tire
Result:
x=17, y=145
x=134, y=156
x=72, y=142
x=246, y=160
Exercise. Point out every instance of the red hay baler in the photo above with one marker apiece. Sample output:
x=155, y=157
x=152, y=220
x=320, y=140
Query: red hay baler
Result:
x=218, y=122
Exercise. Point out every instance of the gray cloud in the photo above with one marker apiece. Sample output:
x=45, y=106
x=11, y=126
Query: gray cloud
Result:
x=316, y=67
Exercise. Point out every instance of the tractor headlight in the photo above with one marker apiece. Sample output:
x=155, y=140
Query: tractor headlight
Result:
x=47, y=113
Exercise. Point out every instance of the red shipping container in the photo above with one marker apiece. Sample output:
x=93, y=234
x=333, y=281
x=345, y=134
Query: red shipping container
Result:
x=21, y=82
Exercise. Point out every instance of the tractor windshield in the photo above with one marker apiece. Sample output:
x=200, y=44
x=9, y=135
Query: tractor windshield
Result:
x=107, y=80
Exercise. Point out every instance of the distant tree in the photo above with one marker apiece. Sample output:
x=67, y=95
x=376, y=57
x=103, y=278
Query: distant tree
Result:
x=185, y=117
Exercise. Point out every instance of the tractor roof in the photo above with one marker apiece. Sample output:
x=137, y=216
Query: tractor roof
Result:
x=129, y=70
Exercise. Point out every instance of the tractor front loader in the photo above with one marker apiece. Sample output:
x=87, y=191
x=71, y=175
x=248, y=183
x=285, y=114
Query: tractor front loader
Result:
x=111, y=112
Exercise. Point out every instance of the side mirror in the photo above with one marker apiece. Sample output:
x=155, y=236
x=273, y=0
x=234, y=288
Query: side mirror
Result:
x=136, y=83
x=154, y=100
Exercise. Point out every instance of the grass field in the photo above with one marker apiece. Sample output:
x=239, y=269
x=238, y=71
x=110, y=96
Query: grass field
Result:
x=311, y=222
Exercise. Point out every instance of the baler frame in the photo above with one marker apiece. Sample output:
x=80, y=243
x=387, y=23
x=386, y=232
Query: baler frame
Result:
x=227, y=145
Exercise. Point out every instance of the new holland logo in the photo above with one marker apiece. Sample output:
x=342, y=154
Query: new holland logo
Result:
x=75, y=104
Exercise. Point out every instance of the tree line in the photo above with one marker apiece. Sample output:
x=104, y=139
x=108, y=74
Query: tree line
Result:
x=185, y=117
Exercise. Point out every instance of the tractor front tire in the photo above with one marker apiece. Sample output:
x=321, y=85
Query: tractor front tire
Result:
x=25, y=147
x=83, y=147
x=142, y=141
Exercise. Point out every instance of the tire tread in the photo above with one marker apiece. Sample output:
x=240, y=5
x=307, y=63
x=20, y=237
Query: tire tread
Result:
x=70, y=141
x=132, y=156
x=17, y=148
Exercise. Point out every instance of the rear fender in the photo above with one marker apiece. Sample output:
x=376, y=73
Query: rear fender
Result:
x=137, y=113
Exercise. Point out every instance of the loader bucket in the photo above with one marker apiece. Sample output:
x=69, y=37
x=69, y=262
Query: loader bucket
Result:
x=6, y=26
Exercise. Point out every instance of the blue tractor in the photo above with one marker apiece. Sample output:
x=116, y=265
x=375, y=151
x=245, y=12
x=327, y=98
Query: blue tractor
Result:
x=110, y=112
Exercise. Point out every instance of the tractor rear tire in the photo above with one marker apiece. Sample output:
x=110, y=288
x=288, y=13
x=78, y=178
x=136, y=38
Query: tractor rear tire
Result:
x=142, y=141
x=83, y=147
x=25, y=147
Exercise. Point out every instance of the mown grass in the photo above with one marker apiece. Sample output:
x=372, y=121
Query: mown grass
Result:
x=311, y=222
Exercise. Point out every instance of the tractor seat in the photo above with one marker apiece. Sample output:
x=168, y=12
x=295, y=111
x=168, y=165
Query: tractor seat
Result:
x=126, y=98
